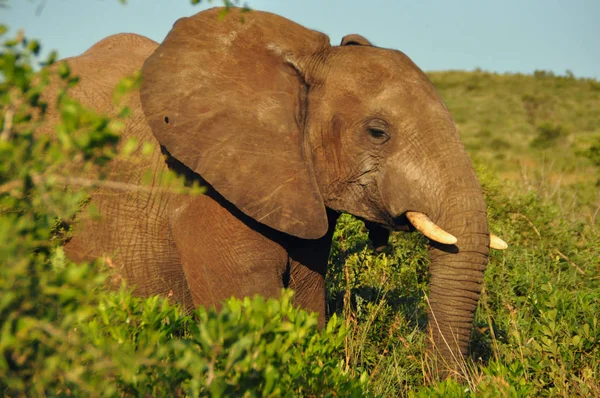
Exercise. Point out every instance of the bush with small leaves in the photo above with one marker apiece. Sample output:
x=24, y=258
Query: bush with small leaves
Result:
x=548, y=136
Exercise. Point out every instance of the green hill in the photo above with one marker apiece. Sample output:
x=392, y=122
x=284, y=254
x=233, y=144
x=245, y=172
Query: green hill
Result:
x=536, y=130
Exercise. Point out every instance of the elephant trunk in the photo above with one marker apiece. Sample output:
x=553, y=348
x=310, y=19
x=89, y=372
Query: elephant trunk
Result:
x=457, y=271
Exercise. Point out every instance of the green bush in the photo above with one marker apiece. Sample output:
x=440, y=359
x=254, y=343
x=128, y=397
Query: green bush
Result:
x=548, y=136
x=543, y=74
x=540, y=300
x=62, y=332
x=67, y=335
x=594, y=152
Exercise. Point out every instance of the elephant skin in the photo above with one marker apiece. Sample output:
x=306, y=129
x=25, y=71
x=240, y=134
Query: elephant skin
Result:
x=287, y=132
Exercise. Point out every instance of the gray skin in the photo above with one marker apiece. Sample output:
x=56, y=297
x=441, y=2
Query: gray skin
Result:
x=287, y=131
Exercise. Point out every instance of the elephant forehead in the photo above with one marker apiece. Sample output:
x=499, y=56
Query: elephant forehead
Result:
x=415, y=97
x=406, y=105
x=385, y=77
x=371, y=64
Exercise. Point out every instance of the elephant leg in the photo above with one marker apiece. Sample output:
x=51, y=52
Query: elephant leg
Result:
x=309, y=286
x=223, y=256
x=308, y=266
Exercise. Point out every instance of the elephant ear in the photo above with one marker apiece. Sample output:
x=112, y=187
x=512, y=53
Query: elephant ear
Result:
x=226, y=97
x=354, y=40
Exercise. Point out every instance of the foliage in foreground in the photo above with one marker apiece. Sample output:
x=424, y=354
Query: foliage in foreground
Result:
x=62, y=333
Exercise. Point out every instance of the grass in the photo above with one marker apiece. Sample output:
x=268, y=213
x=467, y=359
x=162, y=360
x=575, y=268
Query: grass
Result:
x=536, y=331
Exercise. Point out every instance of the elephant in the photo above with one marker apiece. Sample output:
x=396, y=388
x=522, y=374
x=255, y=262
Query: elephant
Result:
x=286, y=132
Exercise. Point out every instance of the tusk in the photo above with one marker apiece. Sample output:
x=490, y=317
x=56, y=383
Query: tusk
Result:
x=428, y=228
x=497, y=243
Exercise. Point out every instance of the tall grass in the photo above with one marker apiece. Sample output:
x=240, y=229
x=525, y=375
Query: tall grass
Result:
x=536, y=329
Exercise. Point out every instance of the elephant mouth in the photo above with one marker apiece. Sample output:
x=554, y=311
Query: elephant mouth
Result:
x=411, y=221
x=401, y=223
x=408, y=221
x=379, y=232
x=414, y=220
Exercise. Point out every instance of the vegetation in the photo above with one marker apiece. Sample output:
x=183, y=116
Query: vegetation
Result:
x=535, y=141
x=542, y=131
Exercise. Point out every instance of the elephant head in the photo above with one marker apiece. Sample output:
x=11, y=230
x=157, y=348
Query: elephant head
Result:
x=284, y=125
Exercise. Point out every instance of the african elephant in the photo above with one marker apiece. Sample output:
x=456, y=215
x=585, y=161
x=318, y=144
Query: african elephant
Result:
x=287, y=132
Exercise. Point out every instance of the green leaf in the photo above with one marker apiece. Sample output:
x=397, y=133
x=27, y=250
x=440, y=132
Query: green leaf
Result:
x=147, y=149
x=64, y=71
x=34, y=47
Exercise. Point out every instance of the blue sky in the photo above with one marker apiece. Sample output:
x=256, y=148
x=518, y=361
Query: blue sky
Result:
x=501, y=36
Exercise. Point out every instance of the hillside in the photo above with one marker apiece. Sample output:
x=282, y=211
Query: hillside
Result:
x=534, y=130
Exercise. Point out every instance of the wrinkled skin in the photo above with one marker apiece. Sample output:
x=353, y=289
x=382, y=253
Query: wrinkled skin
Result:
x=287, y=131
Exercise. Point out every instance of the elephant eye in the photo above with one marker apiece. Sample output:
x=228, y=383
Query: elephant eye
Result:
x=377, y=129
x=378, y=134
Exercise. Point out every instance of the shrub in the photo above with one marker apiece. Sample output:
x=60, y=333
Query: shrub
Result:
x=593, y=153
x=62, y=332
x=543, y=74
x=548, y=136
